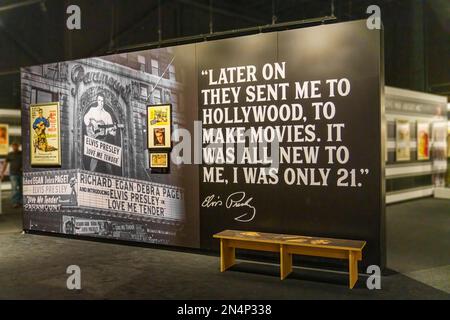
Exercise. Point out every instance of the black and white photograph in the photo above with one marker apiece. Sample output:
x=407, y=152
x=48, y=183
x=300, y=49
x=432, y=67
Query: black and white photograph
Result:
x=103, y=136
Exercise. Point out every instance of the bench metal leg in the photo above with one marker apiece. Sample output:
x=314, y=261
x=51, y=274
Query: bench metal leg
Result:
x=352, y=268
x=227, y=255
x=285, y=262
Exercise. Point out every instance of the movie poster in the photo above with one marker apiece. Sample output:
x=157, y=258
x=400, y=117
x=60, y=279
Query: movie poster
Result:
x=159, y=160
x=423, y=141
x=45, y=143
x=440, y=140
x=159, y=121
x=439, y=134
x=403, y=139
x=4, y=140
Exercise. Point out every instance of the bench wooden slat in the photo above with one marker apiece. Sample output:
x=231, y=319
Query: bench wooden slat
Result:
x=303, y=241
x=319, y=252
x=261, y=246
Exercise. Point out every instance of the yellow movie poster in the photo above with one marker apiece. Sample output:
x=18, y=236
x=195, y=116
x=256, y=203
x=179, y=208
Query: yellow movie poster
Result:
x=158, y=126
x=403, y=140
x=423, y=141
x=159, y=160
x=4, y=139
x=45, y=139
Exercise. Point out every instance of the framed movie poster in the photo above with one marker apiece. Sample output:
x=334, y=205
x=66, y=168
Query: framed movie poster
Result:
x=159, y=123
x=45, y=137
x=4, y=139
x=403, y=138
x=159, y=160
x=423, y=141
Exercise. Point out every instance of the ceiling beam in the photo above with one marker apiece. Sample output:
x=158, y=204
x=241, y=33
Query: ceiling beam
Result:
x=106, y=46
x=18, y=4
x=224, y=12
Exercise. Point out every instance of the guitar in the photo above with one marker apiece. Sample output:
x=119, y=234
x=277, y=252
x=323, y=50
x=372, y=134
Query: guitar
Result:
x=98, y=128
x=40, y=128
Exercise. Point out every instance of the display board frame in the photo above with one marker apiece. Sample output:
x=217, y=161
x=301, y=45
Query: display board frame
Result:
x=423, y=140
x=159, y=160
x=402, y=140
x=157, y=128
x=55, y=159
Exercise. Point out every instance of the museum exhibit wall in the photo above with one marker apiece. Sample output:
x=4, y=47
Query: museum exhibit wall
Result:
x=414, y=176
x=315, y=94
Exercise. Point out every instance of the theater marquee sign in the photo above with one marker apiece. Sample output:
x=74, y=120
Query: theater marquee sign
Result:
x=77, y=189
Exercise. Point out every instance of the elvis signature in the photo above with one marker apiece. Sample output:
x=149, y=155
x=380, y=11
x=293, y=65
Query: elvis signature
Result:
x=234, y=200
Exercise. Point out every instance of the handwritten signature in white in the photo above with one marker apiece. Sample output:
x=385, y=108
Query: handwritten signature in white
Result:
x=234, y=200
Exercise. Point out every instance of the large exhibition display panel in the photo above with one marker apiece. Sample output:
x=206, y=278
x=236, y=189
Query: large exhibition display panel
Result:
x=277, y=132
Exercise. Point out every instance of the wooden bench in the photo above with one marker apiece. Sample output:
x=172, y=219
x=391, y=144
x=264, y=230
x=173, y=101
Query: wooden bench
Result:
x=287, y=245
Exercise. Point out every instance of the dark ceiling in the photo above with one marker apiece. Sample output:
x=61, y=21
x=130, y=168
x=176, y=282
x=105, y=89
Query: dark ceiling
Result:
x=417, y=33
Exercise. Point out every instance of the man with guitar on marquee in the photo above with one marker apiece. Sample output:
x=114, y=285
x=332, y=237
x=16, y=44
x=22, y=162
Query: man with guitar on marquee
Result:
x=39, y=126
x=99, y=125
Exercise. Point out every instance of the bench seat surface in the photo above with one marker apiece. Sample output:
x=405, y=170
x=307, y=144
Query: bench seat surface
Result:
x=288, y=239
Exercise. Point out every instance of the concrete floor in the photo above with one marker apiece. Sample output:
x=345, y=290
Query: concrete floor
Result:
x=34, y=266
x=418, y=241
